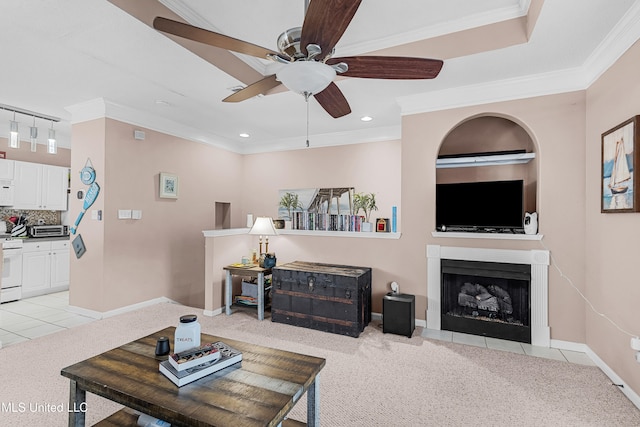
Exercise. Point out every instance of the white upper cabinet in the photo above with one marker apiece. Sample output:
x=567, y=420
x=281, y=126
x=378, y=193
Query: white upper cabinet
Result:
x=40, y=187
x=6, y=169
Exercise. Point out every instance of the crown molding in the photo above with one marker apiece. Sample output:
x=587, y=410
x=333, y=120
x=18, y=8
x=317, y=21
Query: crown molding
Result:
x=103, y=108
x=362, y=136
x=496, y=91
x=617, y=42
x=472, y=21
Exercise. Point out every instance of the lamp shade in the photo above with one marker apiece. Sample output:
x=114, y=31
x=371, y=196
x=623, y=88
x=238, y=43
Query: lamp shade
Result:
x=309, y=77
x=263, y=226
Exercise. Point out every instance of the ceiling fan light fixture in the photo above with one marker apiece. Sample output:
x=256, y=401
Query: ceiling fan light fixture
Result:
x=309, y=77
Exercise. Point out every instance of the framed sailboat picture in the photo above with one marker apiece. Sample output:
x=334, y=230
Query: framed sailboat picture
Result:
x=620, y=187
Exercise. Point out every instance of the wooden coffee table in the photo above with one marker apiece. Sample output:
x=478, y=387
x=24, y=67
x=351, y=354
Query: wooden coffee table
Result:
x=259, y=393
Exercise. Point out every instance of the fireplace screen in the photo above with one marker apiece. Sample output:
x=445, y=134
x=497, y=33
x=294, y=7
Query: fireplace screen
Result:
x=485, y=298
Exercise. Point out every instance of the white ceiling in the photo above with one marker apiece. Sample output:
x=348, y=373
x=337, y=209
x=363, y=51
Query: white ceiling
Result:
x=66, y=57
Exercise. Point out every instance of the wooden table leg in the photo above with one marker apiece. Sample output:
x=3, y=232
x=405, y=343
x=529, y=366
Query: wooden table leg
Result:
x=77, y=405
x=313, y=403
x=227, y=293
x=260, y=296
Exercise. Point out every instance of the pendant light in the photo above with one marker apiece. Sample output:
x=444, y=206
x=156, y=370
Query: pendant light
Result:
x=14, y=137
x=33, y=136
x=52, y=147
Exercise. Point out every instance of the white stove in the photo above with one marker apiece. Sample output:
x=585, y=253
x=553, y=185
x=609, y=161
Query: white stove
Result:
x=11, y=285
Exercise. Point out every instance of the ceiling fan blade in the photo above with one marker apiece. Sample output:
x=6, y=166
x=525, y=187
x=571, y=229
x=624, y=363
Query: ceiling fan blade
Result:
x=389, y=67
x=254, y=89
x=211, y=38
x=325, y=22
x=333, y=101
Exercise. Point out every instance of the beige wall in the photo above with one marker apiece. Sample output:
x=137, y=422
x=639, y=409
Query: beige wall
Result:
x=373, y=167
x=130, y=261
x=87, y=287
x=612, y=239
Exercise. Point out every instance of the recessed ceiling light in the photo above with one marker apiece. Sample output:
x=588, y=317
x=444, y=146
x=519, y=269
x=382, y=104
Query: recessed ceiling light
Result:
x=366, y=118
x=244, y=135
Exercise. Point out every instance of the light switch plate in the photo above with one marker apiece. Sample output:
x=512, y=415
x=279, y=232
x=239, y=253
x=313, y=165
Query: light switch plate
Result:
x=136, y=214
x=94, y=214
x=124, y=213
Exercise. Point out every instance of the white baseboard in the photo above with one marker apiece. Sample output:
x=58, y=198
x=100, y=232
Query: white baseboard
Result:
x=624, y=387
x=212, y=313
x=103, y=315
x=583, y=348
x=568, y=345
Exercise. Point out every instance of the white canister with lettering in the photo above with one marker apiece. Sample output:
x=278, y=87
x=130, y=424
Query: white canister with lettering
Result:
x=187, y=333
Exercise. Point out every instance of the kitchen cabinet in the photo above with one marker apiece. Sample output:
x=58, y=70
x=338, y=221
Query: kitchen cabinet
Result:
x=6, y=169
x=40, y=187
x=45, y=267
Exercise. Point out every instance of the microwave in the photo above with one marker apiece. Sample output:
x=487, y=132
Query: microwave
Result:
x=48, y=230
x=6, y=192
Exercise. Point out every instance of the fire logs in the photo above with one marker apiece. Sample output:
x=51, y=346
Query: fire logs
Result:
x=492, y=298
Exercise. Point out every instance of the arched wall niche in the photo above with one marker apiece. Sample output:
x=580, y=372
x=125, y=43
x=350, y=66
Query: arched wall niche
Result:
x=489, y=133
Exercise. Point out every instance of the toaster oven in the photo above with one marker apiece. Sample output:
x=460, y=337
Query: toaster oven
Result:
x=48, y=230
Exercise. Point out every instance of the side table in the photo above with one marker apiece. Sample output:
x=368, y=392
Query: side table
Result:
x=254, y=271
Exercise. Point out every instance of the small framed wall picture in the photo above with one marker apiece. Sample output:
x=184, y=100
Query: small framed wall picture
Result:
x=620, y=156
x=168, y=186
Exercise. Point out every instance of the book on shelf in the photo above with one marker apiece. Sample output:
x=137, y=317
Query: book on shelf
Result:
x=229, y=357
x=246, y=300
x=304, y=220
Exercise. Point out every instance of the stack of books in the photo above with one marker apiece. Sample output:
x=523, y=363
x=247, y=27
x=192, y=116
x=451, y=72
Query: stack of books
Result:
x=190, y=365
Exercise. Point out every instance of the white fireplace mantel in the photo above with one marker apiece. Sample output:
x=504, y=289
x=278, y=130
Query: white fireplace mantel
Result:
x=539, y=261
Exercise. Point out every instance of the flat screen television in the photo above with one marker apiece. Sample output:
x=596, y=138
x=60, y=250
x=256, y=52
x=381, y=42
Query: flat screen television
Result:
x=483, y=206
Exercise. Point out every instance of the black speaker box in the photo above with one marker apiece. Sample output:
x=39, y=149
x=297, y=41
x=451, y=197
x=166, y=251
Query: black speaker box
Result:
x=399, y=314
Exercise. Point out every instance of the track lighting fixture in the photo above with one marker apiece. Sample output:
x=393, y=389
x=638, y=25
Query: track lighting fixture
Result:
x=14, y=135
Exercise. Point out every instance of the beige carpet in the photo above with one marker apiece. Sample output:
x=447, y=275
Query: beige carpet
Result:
x=375, y=380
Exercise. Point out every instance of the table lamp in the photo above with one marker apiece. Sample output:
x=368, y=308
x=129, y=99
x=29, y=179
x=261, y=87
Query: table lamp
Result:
x=264, y=227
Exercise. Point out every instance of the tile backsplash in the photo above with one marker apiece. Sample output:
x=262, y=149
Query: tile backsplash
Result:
x=33, y=217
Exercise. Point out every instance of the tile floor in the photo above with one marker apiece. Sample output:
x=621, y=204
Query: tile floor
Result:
x=34, y=317
x=514, y=347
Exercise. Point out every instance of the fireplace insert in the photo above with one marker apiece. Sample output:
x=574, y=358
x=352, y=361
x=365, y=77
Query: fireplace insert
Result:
x=486, y=298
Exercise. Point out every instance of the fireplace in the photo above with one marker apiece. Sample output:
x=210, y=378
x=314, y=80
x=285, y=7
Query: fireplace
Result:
x=520, y=274
x=486, y=298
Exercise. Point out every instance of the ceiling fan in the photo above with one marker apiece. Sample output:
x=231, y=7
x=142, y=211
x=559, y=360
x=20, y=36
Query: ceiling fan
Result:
x=307, y=54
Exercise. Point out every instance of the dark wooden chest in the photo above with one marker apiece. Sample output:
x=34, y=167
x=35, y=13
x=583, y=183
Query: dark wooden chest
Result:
x=326, y=297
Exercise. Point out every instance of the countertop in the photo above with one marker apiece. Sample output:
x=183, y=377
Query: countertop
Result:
x=46, y=239
x=35, y=239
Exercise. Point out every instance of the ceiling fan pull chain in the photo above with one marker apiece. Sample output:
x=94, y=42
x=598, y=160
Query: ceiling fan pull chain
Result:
x=306, y=98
